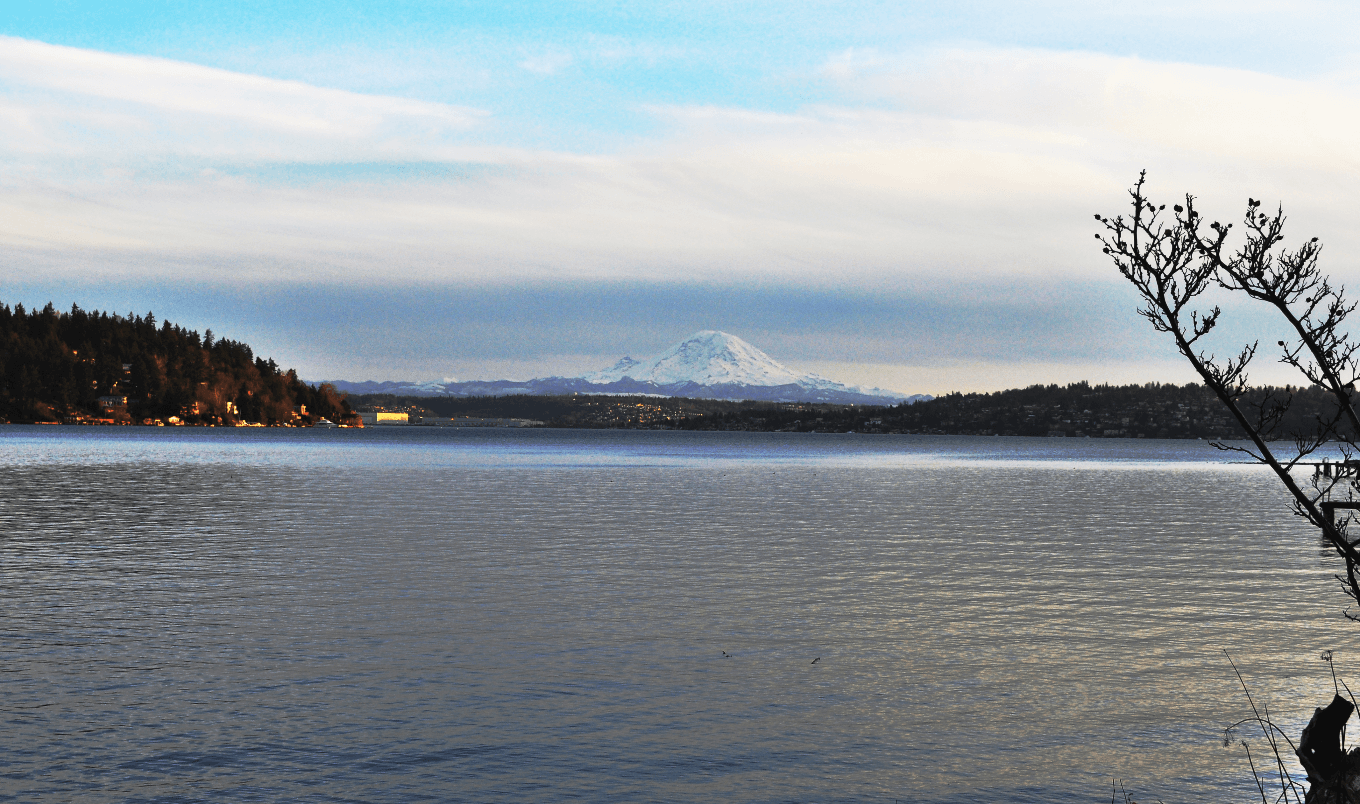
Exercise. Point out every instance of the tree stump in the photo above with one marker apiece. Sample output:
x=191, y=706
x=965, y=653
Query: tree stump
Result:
x=1333, y=774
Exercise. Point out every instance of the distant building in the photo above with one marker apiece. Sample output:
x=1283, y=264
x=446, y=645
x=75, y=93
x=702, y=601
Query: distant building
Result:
x=111, y=402
x=384, y=417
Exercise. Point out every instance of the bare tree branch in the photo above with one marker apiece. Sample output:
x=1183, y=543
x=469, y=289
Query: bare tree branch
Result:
x=1173, y=263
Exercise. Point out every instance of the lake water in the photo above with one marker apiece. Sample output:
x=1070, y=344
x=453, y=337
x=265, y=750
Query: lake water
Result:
x=422, y=614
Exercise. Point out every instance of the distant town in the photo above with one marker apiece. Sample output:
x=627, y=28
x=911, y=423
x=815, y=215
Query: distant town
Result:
x=1079, y=410
x=418, y=417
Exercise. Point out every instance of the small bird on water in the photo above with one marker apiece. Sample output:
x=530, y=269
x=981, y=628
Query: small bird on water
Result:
x=818, y=659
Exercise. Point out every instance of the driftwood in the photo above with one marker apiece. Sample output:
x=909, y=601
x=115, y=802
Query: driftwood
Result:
x=1333, y=773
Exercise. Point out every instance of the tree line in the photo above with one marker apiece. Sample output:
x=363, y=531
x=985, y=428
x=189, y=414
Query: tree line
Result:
x=86, y=366
x=1152, y=410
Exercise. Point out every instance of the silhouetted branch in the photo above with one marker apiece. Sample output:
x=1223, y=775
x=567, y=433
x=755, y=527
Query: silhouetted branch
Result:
x=1173, y=263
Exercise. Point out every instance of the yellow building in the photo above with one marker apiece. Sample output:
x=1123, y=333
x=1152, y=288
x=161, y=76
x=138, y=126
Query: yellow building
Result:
x=384, y=417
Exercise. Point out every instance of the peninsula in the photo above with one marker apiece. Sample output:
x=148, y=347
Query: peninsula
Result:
x=82, y=367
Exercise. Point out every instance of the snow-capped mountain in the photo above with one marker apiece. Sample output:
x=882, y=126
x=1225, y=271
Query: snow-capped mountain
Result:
x=396, y=387
x=707, y=358
x=713, y=359
x=706, y=365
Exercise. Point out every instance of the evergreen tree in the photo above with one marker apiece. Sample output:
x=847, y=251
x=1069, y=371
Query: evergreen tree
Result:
x=56, y=366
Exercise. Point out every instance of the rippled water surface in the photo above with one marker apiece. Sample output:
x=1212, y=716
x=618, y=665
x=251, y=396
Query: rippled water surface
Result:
x=432, y=615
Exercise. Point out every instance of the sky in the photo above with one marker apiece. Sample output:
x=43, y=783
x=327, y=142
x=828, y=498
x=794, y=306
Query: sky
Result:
x=892, y=194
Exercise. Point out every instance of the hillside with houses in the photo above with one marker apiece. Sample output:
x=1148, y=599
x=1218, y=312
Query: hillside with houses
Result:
x=88, y=367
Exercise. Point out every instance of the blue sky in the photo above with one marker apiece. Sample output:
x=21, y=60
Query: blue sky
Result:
x=889, y=193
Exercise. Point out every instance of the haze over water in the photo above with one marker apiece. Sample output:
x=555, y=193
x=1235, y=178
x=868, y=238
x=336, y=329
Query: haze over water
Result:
x=433, y=615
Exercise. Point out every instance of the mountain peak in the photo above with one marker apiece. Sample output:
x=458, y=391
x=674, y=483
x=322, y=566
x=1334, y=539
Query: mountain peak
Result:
x=622, y=367
x=708, y=364
x=707, y=357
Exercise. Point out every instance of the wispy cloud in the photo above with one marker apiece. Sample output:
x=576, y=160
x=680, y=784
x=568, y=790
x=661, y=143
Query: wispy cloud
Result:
x=62, y=101
x=1120, y=103
x=946, y=162
x=547, y=63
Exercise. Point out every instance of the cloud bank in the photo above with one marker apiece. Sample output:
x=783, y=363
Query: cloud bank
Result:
x=951, y=169
x=984, y=160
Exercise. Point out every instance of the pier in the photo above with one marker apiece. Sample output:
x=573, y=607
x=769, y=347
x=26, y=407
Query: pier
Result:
x=1336, y=469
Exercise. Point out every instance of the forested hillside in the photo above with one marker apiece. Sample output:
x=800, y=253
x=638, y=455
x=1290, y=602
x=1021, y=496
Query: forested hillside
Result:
x=1078, y=410
x=1153, y=410
x=81, y=367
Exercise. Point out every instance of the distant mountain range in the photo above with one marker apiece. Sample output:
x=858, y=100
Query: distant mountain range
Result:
x=706, y=365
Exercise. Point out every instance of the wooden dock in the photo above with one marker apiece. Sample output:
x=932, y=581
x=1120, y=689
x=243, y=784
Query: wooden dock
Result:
x=1335, y=469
